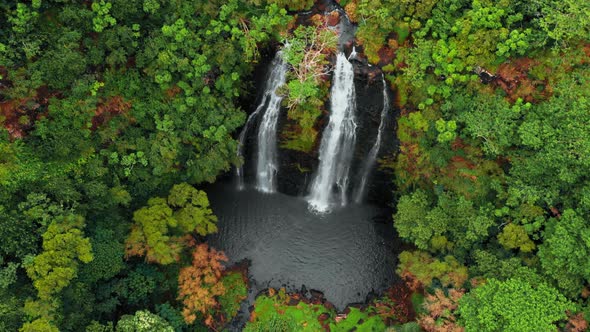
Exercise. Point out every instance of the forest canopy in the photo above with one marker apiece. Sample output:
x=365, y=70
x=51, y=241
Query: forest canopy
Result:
x=115, y=113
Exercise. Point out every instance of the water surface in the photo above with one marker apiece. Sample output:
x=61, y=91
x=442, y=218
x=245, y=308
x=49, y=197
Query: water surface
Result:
x=345, y=254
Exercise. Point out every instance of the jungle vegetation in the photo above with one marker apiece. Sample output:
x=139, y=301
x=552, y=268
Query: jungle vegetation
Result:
x=114, y=113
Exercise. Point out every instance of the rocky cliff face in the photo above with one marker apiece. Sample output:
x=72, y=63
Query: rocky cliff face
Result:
x=297, y=168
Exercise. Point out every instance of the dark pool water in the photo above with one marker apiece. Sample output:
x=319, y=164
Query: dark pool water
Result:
x=346, y=254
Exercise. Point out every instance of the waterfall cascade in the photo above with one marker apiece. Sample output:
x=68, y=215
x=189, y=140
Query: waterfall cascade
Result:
x=267, y=163
x=353, y=54
x=270, y=105
x=330, y=184
x=372, y=157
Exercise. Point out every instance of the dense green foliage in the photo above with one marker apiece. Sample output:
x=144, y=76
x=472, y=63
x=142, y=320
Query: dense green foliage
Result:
x=306, y=52
x=512, y=305
x=160, y=229
x=492, y=170
x=273, y=314
x=236, y=291
x=106, y=107
x=142, y=321
x=113, y=113
x=281, y=312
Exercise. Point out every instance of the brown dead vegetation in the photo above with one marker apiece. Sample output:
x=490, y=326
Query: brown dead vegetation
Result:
x=513, y=77
x=108, y=109
x=18, y=116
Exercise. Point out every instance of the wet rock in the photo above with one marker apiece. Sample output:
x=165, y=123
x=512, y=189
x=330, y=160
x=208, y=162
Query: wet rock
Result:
x=323, y=317
x=329, y=305
x=303, y=290
x=297, y=168
x=296, y=171
x=485, y=76
x=316, y=295
x=371, y=297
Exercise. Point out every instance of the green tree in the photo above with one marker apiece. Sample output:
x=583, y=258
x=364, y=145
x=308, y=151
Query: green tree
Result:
x=566, y=22
x=515, y=237
x=565, y=251
x=454, y=222
x=143, y=321
x=555, y=154
x=160, y=229
x=494, y=264
x=411, y=222
x=424, y=268
x=512, y=305
x=491, y=120
x=236, y=291
x=64, y=247
x=108, y=257
x=12, y=293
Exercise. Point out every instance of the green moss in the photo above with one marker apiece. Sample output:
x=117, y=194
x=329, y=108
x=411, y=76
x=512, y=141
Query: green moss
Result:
x=408, y=327
x=236, y=291
x=417, y=302
x=403, y=31
x=302, y=140
x=360, y=321
x=274, y=314
x=301, y=135
x=302, y=169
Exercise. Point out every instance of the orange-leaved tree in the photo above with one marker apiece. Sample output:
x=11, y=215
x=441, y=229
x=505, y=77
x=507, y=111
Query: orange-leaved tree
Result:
x=440, y=308
x=200, y=284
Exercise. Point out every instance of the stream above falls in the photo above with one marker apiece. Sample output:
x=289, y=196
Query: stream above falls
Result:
x=346, y=254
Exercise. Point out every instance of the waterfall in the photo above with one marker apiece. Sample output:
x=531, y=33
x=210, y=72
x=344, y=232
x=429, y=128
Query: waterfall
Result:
x=267, y=164
x=330, y=184
x=270, y=105
x=372, y=157
x=353, y=54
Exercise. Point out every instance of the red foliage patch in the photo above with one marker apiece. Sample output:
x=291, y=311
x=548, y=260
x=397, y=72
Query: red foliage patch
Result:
x=513, y=78
x=577, y=323
x=416, y=164
x=173, y=91
x=106, y=110
x=586, y=59
x=19, y=115
x=402, y=307
x=460, y=162
x=441, y=308
x=386, y=55
x=324, y=321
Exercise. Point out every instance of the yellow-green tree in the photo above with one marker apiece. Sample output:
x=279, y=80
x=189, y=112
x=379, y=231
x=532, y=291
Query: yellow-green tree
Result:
x=512, y=305
x=159, y=230
x=64, y=247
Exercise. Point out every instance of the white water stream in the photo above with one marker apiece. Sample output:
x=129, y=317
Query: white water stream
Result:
x=372, y=157
x=267, y=164
x=330, y=184
x=269, y=106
